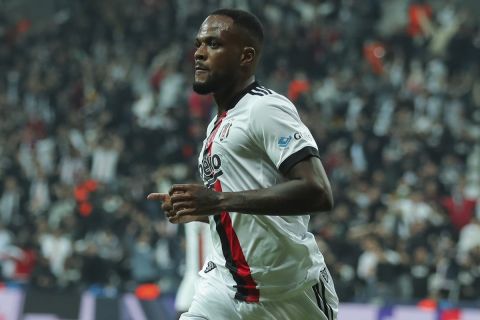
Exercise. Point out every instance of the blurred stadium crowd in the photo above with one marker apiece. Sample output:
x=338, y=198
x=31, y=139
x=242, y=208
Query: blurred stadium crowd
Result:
x=96, y=111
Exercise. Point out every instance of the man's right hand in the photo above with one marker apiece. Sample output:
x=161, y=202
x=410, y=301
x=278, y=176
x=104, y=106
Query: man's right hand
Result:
x=170, y=213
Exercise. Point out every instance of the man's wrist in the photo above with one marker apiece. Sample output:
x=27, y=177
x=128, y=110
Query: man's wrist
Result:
x=225, y=201
x=232, y=201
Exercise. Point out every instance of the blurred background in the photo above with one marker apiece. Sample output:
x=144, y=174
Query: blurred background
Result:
x=96, y=111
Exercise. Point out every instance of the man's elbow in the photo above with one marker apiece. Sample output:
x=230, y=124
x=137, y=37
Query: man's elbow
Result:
x=325, y=202
x=323, y=198
x=329, y=203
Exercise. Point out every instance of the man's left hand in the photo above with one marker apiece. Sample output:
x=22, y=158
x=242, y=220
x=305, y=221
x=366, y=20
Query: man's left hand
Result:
x=194, y=199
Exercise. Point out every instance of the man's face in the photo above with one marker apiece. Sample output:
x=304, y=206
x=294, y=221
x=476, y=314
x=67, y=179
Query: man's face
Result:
x=217, y=58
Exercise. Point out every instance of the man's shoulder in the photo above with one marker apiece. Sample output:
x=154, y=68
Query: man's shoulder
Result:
x=260, y=96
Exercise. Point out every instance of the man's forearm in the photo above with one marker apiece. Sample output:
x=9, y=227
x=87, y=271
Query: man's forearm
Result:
x=203, y=219
x=289, y=198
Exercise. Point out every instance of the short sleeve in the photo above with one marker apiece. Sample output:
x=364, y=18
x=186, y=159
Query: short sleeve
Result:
x=277, y=129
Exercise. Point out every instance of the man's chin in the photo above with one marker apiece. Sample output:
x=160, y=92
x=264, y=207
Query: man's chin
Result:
x=202, y=88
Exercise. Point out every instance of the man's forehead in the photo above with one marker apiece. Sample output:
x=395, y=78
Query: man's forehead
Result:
x=215, y=25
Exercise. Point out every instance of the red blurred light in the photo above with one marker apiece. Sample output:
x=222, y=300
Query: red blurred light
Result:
x=148, y=291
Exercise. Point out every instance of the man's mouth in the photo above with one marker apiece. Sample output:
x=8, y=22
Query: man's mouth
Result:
x=200, y=68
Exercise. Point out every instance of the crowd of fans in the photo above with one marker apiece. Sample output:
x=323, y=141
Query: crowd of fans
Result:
x=96, y=111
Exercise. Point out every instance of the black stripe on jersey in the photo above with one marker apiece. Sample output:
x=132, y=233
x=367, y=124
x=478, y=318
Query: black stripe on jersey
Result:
x=261, y=89
x=317, y=296
x=296, y=157
x=257, y=92
x=327, y=308
x=265, y=89
x=229, y=263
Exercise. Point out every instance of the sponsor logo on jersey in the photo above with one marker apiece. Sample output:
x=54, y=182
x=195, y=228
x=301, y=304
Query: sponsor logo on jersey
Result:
x=210, y=169
x=284, y=141
x=225, y=131
x=210, y=266
x=297, y=135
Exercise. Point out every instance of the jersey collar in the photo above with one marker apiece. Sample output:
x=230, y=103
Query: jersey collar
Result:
x=240, y=95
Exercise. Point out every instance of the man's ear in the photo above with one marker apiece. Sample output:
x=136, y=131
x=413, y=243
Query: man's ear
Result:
x=248, y=56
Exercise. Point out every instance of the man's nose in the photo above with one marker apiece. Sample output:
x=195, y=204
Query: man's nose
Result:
x=200, y=53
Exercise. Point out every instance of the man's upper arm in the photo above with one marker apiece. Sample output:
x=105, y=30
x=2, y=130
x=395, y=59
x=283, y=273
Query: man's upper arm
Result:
x=311, y=170
x=277, y=129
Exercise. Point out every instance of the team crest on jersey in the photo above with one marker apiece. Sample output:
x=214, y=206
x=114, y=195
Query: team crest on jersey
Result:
x=210, y=169
x=225, y=131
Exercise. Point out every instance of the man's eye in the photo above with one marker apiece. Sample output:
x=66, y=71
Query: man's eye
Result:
x=214, y=44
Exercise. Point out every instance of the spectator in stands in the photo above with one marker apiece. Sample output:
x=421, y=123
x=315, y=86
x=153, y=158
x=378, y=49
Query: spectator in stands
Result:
x=11, y=202
x=460, y=208
x=469, y=238
x=421, y=269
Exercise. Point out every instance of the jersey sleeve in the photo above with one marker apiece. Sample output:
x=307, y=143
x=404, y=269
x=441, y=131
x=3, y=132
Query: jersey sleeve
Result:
x=277, y=129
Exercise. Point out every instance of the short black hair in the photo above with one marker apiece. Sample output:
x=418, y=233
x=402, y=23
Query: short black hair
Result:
x=246, y=20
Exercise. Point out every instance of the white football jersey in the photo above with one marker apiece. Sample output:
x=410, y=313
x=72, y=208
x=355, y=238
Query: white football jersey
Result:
x=259, y=257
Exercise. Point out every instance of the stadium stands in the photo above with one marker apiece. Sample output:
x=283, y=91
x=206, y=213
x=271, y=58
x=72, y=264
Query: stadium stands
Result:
x=96, y=110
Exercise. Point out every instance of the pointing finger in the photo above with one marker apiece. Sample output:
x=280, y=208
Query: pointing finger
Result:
x=158, y=196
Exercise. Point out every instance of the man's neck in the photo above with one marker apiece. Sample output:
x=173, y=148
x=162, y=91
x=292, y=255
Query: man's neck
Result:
x=224, y=98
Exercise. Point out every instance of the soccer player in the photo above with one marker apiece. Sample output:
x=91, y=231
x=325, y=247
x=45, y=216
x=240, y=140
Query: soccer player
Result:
x=262, y=176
